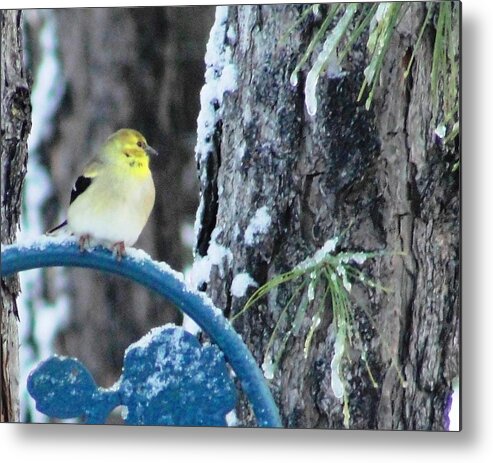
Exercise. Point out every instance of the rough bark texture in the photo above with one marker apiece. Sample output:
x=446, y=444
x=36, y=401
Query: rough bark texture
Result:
x=140, y=68
x=15, y=127
x=373, y=173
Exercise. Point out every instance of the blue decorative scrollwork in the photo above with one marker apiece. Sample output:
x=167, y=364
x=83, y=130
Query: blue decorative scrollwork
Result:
x=168, y=378
x=68, y=375
x=63, y=388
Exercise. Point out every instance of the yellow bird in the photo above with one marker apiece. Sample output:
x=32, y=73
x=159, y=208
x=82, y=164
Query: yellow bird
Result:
x=112, y=200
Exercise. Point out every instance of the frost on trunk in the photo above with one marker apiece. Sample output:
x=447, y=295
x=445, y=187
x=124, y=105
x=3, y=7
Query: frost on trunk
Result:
x=277, y=183
x=15, y=127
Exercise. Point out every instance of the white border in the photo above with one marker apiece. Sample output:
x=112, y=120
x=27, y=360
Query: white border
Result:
x=64, y=442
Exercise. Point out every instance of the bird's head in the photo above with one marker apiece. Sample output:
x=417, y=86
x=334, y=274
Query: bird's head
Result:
x=127, y=146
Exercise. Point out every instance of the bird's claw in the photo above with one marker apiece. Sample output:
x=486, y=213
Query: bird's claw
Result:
x=119, y=250
x=84, y=242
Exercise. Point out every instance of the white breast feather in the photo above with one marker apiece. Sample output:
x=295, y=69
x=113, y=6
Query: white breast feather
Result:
x=114, y=210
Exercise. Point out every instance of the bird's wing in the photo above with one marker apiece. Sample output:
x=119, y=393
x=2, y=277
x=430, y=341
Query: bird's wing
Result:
x=83, y=182
x=62, y=226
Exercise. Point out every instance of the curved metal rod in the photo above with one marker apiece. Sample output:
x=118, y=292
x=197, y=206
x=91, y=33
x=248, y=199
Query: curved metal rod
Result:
x=159, y=277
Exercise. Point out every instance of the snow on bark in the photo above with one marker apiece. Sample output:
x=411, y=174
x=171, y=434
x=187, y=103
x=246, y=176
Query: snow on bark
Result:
x=259, y=225
x=220, y=78
x=217, y=255
x=240, y=284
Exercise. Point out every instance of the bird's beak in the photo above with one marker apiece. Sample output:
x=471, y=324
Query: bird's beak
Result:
x=151, y=150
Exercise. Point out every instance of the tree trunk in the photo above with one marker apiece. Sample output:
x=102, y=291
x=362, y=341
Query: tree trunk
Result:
x=15, y=128
x=124, y=67
x=276, y=184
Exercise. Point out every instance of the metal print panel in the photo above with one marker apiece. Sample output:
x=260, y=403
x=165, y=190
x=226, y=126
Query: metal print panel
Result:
x=233, y=216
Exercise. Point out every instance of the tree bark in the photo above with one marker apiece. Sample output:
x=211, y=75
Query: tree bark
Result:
x=15, y=128
x=374, y=178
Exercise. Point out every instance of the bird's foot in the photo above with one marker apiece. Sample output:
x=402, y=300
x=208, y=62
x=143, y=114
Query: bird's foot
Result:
x=84, y=242
x=119, y=250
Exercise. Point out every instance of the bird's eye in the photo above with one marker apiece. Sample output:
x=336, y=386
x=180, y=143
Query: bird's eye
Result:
x=140, y=144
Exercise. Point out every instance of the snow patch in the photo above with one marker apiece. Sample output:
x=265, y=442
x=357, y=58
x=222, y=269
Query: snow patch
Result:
x=326, y=59
x=42, y=242
x=358, y=258
x=259, y=225
x=220, y=78
x=268, y=367
x=240, y=284
x=293, y=79
x=145, y=340
x=197, y=224
x=228, y=81
x=335, y=365
x=141, y=257
x=319, y=255
x=341, y=271
x=441, y=131
x=311, y=286
x=200, y=272
x=202, y=265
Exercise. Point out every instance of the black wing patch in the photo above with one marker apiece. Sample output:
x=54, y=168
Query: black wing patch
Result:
x=80, y=186
x=53, y=230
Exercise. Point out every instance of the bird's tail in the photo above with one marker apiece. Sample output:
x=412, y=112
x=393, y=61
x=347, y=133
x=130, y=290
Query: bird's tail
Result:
x=59, y=228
